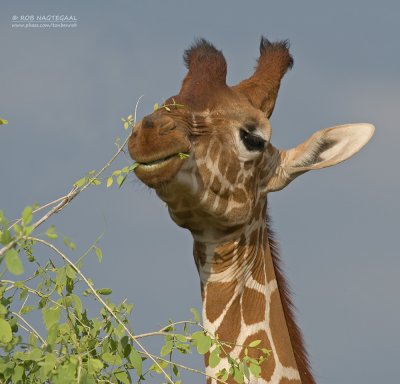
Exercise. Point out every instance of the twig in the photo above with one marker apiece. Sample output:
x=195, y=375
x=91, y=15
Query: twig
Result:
x=30, y=327
x=186, y=368
x=99, y=298
x=39, y=209
x=66, y=200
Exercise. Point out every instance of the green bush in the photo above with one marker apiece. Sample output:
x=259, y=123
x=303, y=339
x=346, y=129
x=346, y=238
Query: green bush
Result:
x=73, y=345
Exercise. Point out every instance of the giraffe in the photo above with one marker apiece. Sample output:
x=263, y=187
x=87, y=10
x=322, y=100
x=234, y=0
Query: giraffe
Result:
x=219, y=193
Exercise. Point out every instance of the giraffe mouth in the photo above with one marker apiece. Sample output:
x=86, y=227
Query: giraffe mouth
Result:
x=155, y=164
x=160, y=170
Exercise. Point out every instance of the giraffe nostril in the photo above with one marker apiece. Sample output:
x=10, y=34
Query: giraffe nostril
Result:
x=147, y=122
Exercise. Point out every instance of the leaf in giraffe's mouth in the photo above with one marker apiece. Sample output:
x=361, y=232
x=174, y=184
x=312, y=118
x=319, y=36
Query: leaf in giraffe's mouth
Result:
x=159, y=162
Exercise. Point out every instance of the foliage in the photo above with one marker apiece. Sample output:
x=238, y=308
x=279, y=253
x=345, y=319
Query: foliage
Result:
x=56, y=326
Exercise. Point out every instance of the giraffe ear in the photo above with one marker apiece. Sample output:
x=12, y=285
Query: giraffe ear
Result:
x=323, y=149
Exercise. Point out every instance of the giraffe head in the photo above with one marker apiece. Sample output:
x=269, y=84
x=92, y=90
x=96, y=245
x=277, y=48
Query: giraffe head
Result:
x=226, y=132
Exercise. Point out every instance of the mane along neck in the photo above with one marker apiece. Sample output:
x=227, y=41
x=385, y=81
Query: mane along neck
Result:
x=245, y=298
x=295, y=335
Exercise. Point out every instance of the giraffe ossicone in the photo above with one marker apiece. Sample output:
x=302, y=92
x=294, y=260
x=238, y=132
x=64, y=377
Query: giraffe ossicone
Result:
x=220, y=193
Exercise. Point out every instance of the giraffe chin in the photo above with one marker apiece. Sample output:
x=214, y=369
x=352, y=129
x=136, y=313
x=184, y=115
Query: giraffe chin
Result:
x=158, y=172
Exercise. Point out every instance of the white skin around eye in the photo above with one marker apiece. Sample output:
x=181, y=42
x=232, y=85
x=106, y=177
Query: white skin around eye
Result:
x=263, y=132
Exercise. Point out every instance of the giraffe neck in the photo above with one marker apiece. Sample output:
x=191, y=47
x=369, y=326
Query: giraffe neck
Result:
x=242, y=302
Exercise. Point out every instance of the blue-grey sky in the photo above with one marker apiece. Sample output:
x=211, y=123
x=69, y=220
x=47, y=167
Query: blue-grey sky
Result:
x=65, y=90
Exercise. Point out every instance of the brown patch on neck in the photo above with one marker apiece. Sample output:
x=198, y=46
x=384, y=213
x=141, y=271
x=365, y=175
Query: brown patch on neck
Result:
x=296, y=338
x=268, y=366
x=253, y=306
x=218, y=296
x=229, y=329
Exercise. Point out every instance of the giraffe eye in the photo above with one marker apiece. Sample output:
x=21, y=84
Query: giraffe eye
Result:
x=252, y=142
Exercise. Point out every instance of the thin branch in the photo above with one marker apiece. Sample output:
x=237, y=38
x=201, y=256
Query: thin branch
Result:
x=46, y=296
x=65, y=200
x=100, y=299
x=30, y=327
x=38, y=210
x=180, y=323
x=187, y=368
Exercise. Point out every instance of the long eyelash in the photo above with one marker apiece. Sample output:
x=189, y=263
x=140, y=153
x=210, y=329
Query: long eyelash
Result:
x=252, y=142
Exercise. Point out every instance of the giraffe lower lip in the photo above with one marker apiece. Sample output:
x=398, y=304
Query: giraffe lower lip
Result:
x=160, y=171
x=156, y=164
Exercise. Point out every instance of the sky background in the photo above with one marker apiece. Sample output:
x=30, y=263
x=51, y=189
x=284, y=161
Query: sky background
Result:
x=65, y=90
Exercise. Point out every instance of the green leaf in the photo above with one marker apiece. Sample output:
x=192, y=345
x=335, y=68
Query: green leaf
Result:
x=17, y=229
x=111, y=359
x=255, y=370
x=51, y=233
x=246, y=371
x=126, y=125
x=136, y=361
x=52, y=334
x=99, y=254
x=67, y=241
x=223, y=374
x=95, y=181
x=156, y=367
x=166, y=348
x=183, y=156
x=17, y=374
x=95, y=365
x=203, y=345
x=155, y=107
x=36, y=354
x=48, y=363
x=5, y=237
x=23, y=294
x=3, y=121
x=181, y=338
x=5, y=332
x=80, y=182
x=61, y=278
x=238, y=375
x=196, y=315
x=70, y=272
x=254, y=343
x=13, y=262
x=110, y=181
x=214, y=358
x=120, y=180
x=104, y=291
x=122, y=377
x=33, y=339
x=27, y=215
x=51, y=316
x=266, y=351
x=26, y=309
x=77, y=303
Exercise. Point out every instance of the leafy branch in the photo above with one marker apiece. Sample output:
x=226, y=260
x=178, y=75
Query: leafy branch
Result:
x=70, y=346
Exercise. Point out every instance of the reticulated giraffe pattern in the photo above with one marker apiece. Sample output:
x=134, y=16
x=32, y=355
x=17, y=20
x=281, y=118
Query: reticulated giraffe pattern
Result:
x=220, y=193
